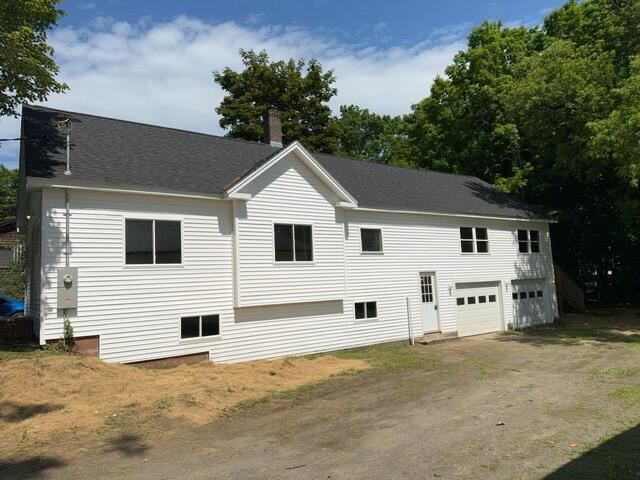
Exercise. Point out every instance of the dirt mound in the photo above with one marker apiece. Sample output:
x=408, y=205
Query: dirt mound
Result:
x=41, y=397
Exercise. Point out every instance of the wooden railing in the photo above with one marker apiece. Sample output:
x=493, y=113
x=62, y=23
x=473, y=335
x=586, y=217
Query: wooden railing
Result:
x=568, y=291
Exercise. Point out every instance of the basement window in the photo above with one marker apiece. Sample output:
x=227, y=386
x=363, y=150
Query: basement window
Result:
x=474, y=240
x=200, y=326
x=528, y=241
x=151, y=242
x=292, y=243
x=366, y=310
x=371, y=240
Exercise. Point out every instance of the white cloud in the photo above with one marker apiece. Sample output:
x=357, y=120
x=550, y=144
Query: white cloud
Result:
x=162, y=73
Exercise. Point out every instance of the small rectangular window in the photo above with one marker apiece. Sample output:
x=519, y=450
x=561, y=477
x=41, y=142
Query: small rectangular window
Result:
x=139, y=240
x=514, y=295
x=471, y=300
x=460, y=300
x=293, y=243
x=372, y=310
x=523, y=295
x=366, y=310
x=210, y=325
x=168, y=242
x=303, y=246
x=371, y=239
x=539, y=293
x=482, y=299
x=474, y=240
x=528, y=241
x=189, y=327
x=143, y=236
x=532, y=294
x=492, y=298
x=200, y=326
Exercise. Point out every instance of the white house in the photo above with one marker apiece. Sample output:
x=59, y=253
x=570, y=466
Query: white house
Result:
x=184, y=244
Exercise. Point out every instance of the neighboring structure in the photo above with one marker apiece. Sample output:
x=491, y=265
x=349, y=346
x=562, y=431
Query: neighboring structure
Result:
x=181, y=243
x=8, y=246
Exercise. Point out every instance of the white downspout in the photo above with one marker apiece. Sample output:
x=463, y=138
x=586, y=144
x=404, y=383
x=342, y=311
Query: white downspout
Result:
x=411, y=338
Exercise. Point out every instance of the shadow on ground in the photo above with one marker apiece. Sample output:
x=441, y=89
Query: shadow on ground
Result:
x=616, y=458
x=617, y=326
x=32, y=468
x=17, y=412
x=127, y=444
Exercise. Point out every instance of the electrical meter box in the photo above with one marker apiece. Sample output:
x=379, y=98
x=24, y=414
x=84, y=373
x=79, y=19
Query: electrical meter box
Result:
x=67, y=287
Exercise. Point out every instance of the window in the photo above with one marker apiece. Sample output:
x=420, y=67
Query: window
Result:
x=460, y=300
x=292, y=243
x=371, y=239
x=514, y=295
x=474, y=240
x=539, y=293
x=471, y=300
x=492, y=298
x=366, y=310
x=528, y=241
x=532, y=294
x=482, y=299
x=523, y=295
x=200, y=326
x=152, y=242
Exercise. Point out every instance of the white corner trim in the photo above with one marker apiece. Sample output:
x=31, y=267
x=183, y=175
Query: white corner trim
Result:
x=302, y=153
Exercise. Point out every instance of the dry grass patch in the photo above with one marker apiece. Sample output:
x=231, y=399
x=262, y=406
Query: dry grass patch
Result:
x=41, y=398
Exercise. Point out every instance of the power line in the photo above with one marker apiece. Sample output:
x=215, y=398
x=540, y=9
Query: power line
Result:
x=10, y=139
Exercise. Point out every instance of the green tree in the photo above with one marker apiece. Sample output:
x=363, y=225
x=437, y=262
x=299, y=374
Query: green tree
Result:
x=368, y=136
x=460, y=126
x=299, y=90
x=27, y=69
x=8, y=193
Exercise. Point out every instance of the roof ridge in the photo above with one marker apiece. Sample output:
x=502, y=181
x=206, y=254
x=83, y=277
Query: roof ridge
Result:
x=221, y=137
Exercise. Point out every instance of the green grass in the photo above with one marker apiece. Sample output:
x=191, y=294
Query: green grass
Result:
x=613, y=372
x=384, y=358
x=629, y=393
x=390, y=357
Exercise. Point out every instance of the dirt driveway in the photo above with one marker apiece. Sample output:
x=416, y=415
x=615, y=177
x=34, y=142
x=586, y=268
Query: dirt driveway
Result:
x=557, y=403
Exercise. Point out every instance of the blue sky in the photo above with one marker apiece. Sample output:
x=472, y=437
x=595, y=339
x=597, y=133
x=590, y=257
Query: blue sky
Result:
x=151, y=60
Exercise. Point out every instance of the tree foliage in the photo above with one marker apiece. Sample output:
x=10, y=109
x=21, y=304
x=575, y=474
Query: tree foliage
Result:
x=368, y=136
x=27, y=69
x=299, y=90
x=8, y=193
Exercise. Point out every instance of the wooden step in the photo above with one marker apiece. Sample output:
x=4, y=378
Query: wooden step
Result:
x=437, y=337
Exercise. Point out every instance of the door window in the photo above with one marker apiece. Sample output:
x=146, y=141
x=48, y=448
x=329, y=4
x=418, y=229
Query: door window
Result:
x=426, y=286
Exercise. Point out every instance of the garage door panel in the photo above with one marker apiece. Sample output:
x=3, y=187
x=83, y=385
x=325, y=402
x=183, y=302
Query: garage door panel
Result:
x=530, y=302
x=475, y=317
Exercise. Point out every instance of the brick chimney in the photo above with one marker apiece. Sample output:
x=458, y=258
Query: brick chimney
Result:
x=272, y=128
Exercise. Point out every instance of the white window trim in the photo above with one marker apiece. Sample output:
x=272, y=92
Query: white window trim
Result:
x=293, y=262
x=153, y=219
x=199, y=338
x=529, y=242
x=367, y=252
x=475, y=240
x=366, y=319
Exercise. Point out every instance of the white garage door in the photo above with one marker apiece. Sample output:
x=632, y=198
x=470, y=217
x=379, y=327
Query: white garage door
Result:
x=530, y=302
x=478, y=308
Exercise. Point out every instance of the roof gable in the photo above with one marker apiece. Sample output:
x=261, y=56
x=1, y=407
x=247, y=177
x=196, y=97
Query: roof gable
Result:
x=307, y=159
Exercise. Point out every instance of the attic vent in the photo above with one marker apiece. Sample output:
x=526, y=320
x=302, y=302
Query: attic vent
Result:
x=272, y=124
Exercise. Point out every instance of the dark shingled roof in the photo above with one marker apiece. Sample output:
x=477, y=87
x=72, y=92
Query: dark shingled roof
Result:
x=117, y=153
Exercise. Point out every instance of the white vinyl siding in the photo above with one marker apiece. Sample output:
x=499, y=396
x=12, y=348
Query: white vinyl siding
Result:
x=279, y=309
x=289, y=193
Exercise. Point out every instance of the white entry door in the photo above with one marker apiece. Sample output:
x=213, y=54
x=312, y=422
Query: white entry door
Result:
x=428, y=304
